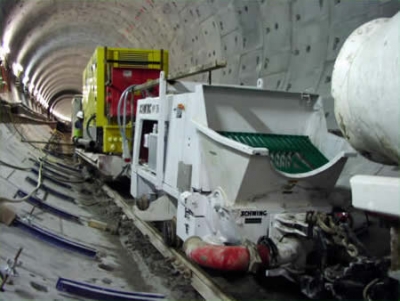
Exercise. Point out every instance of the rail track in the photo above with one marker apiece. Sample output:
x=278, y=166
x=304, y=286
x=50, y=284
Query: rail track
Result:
x=200, y=281
x=210, y=285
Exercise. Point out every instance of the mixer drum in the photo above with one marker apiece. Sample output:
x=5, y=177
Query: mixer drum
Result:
x=365, y=86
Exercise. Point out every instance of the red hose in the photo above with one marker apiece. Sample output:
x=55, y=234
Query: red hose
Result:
x=224, y=258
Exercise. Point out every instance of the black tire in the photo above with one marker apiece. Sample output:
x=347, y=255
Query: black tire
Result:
x=169, y=233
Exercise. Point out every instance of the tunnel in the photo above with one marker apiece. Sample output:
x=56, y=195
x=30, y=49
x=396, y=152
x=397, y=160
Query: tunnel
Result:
x=291, y=45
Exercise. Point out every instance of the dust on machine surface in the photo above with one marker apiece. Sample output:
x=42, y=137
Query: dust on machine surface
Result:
x=248, y=191
x=108, y=102
x=243, y=179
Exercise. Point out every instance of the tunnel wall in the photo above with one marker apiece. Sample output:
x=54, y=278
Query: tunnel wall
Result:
x=290, y=44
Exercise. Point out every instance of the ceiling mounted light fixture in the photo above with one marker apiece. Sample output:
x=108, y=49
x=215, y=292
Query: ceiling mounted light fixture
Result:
x=25, y=80
x=17, y=69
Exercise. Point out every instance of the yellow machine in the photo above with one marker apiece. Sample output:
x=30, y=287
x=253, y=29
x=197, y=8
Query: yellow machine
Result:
x=107, y=76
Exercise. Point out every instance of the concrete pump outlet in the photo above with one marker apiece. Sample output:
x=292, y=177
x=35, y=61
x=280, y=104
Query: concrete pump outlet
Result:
x=223, y=258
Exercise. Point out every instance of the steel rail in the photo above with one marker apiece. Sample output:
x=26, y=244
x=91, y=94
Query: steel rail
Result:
x=90, y=291
x=45, y=142
x=38, y=203
x=68, y=167
x=191, y=72
x=52, y=191
x=208, y=289
x=55, y=169
x=55, y=239
x=49, y=178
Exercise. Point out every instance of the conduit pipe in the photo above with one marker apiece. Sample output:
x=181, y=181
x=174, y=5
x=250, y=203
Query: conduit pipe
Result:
x=225, y=258
x=87, y=143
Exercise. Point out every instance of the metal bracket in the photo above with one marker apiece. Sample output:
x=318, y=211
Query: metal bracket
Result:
x=292, y=224
x=306, y=97
x=10, y=267
x=255, y=259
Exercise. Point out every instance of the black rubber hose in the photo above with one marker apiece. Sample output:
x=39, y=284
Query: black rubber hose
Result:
x=87, y=126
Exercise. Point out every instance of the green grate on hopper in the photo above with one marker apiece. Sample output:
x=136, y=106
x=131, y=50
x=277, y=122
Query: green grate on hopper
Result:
x=289, y=153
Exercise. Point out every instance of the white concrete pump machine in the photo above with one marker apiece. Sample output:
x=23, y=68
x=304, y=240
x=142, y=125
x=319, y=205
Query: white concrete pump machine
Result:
x=243, y=176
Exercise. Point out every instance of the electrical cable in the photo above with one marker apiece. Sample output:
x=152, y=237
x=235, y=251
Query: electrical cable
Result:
x=123, y=99
x=6, y=200
x=42, y=161
x=15, y=167
x=367, y=287
x=22, y=135
x=124, y=115
x=126, y=169
x=19, y=133
x=122, y=127
x=71, y=181
x=55, y=167
x=66, y=180
x=93, y=117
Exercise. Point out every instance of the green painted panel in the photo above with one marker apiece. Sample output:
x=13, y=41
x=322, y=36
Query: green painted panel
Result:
x=289, y=153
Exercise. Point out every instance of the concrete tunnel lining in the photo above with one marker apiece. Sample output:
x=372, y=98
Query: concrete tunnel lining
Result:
x=291, y=44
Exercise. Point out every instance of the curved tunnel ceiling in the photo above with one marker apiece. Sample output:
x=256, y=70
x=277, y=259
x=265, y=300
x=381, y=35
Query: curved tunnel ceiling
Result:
x=291, y=44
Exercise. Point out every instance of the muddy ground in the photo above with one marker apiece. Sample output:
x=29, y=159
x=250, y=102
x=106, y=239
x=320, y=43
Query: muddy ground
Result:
x=163, y=276
x=160, y=276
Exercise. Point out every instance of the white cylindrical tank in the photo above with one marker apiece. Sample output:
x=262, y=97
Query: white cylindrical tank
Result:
x=366, y=90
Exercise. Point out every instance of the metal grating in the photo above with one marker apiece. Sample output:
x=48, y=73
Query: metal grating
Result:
x=137, y=58
x=289, y=153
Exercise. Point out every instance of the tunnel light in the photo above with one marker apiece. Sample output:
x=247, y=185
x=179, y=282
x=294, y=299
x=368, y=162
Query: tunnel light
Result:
x=60, y=116
x=31, y=87
x=25, y=80
x=4, y=50
x=17, y=69
x=41, y=98
x=35, y=93
x=43, y=102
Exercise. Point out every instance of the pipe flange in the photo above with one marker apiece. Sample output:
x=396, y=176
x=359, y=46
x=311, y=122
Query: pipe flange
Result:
x=273, y=249
x=255, y=262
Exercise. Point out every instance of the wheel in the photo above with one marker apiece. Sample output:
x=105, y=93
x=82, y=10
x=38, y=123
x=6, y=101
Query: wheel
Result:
x=142, y=203
x=169, y=234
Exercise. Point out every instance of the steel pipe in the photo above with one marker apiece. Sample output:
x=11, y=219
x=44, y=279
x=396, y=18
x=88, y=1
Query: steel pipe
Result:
x=395, y=248
x=87, y=143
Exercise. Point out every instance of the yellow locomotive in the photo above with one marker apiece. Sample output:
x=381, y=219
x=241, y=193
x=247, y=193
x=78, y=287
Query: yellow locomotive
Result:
x=108, y=104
